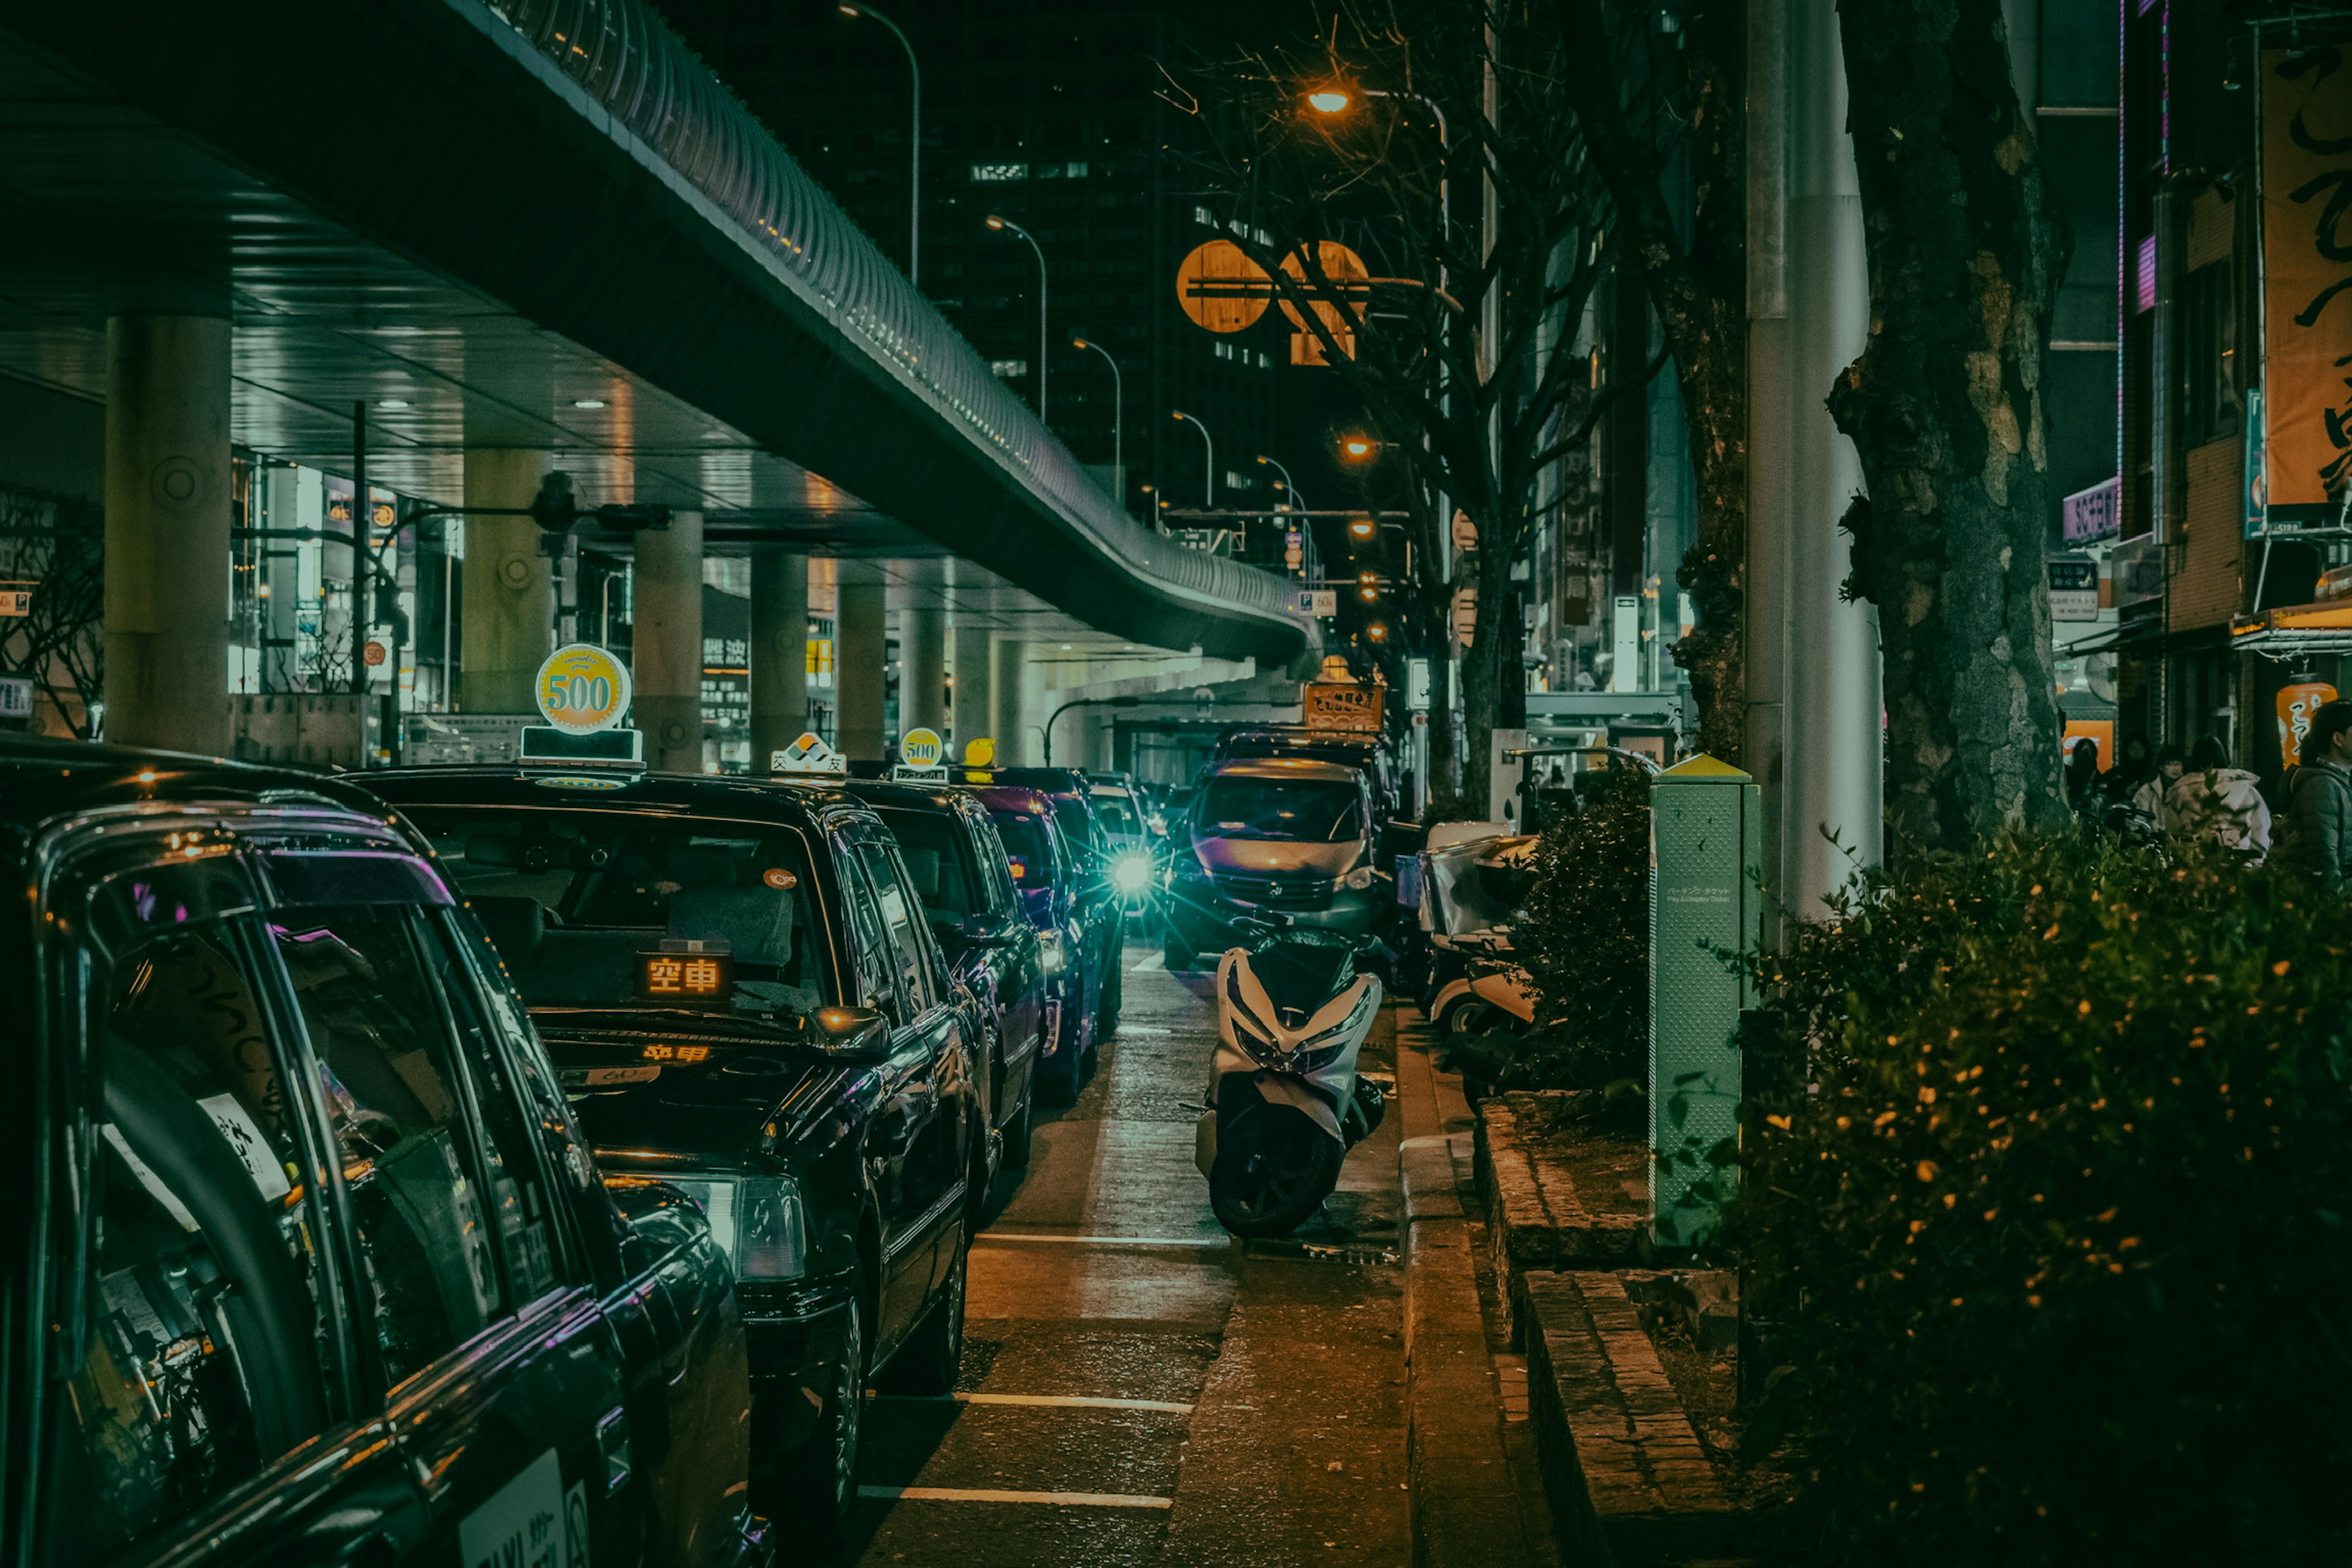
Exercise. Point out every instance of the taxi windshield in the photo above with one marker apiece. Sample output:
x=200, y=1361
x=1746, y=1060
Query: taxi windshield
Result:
x=575, y=900
x=1119, y=818
x=1308, y=811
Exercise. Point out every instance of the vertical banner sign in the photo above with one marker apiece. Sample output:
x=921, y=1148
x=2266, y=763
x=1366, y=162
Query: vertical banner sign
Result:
x=1705, y=830
x=2296, y=703
x=2307, y=279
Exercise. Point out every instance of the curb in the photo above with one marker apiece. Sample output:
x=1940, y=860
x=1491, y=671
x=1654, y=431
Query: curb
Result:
x=1465, y=1502
x=1535, y=1218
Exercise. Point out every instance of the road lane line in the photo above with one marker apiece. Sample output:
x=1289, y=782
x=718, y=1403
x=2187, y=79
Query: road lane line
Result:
x=1107, y=1240
x=1156, y=960
x=962, y=1494
x=1066, y=1401
x=1142, y=1029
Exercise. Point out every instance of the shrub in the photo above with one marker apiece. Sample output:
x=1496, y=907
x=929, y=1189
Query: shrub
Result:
x=1585, y=940
x=2048, y=1230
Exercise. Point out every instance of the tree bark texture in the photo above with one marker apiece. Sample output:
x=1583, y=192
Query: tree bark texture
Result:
x=1945, y=407
x=1699, y=288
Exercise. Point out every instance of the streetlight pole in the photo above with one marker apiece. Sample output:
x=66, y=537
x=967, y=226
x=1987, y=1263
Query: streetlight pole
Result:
x=1008, y=227
x=1211, y=499
x=1297, y=501
x=1118, y=414
x=915, y=148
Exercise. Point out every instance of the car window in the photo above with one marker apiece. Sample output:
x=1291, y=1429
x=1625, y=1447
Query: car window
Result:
x=395, y=1103
x=877, y=963
x=993, y=865
x=1028, y=847
x=902, y=925
x=938, y=863
x=1118, y=817
x=1309, y=811
x=571, y=898
x=201, y=1349
x=1070, y=817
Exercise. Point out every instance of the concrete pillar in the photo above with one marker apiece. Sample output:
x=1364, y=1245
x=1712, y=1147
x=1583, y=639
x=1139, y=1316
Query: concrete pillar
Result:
x=779, y=604
x=859, y=653
x=922, y=668
x=974, y=681
x=666, y=643
x=1006, y=681
x=167, y=523
x=508, y=615
x=1819, y=656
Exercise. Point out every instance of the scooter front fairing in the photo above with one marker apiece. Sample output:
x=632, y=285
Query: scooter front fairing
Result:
x=1311, y=1066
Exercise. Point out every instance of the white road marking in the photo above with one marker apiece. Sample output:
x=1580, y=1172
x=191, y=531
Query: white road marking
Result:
x=964, y=1494
x=1156, y=960
x=1107, y=1240
x=1142, y=1029
x=1063, y=1401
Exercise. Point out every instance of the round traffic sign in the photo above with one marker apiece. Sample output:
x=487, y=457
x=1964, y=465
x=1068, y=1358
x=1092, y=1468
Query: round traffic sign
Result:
x=1222, y=289
x=373, y=654
x=921, y=748
x=582, y=688
x=1341, y=277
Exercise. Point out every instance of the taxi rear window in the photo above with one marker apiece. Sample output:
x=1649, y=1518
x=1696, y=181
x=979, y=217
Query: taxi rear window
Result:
x=572, y=899
x=1026, y=847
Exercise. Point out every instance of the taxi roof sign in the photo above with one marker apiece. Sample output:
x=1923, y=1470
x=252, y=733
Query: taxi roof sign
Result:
x=905, y=772
x=809, y=754
x=921, y=749
x=582, y=688
x=979, y=751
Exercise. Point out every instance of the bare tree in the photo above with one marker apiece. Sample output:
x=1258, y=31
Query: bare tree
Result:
x=1462, y=346
x=57, y=547
x=1944, y=405
x=1657, y=103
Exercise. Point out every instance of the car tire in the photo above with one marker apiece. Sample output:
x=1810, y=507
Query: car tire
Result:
x=931, y=1360
x=1107, y=1010
x=815, y=1483
x=1018, y=1129
x=1174, y=951
x=1056, y=1079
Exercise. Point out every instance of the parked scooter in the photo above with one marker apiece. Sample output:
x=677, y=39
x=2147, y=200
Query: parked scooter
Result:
x=1285, y=1100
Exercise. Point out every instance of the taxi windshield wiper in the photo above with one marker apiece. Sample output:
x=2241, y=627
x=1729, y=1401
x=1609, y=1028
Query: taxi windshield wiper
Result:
x=681, y=1020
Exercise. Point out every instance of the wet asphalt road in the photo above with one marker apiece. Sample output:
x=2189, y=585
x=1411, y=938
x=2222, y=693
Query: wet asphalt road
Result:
x=1138, y=1387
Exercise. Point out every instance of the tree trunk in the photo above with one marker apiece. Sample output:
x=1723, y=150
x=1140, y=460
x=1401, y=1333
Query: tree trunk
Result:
x=1489, y=662
x=1946, y=409
x=1699, y=290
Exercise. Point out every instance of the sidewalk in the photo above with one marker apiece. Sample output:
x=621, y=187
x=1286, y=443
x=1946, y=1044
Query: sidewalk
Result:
x=1476, y=1497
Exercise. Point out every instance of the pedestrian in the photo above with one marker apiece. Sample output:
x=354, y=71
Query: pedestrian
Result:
x=2150, y=797
x=2316, y=835
x=2083, y=775
x=2216, y=801
x=2132, y=770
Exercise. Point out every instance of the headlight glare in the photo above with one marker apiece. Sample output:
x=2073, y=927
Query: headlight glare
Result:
x=1049, y=949
x=1131, y=873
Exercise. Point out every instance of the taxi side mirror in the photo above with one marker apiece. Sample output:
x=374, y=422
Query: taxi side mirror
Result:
x=851, y=1034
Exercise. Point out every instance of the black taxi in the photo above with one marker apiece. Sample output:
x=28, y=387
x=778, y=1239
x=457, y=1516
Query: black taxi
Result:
x=965, y=879
x=309, y=1262
x=740, y=989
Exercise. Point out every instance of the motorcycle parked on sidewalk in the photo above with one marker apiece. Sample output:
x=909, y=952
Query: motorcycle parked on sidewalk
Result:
x=1285, y=1097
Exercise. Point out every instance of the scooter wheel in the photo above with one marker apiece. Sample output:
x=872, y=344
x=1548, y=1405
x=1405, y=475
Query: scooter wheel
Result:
x=1273, y=1171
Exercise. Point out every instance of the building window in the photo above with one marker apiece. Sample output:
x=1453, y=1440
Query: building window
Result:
x=990, y=173
x=2209, y=343
x=1007, y=369
x=1204, y=216
x=1060, y=172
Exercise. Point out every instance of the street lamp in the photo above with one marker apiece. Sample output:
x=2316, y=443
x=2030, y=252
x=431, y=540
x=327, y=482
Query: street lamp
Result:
x=1297, y=501
x=915, y=142
x=1118, y=414
x=1006, y=226
x=1334, y=100
x=1358, y=448
x=1211, y=443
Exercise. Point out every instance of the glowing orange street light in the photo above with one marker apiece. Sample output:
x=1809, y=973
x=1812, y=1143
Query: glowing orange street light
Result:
x=1328, y=100
x=1357, y=448
x=1361, y=527
x=1376, y=631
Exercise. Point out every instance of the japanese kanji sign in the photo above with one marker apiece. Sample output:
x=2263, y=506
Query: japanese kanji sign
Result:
x=2307, y=282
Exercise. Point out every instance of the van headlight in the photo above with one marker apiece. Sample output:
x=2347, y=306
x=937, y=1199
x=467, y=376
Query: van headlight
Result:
x=1359, y=878
x=760, y=1222
x=1131, y=874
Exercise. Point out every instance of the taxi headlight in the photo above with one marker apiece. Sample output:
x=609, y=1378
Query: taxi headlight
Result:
x=1049, y=949
x=1131, y=873
x=1359, y=878
x=759, y=1221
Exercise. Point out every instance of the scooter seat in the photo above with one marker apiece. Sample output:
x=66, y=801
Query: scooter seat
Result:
x=1299, y=976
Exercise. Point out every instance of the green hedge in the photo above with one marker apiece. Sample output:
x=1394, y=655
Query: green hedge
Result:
x=1585, y=941
x=2046, y=1217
